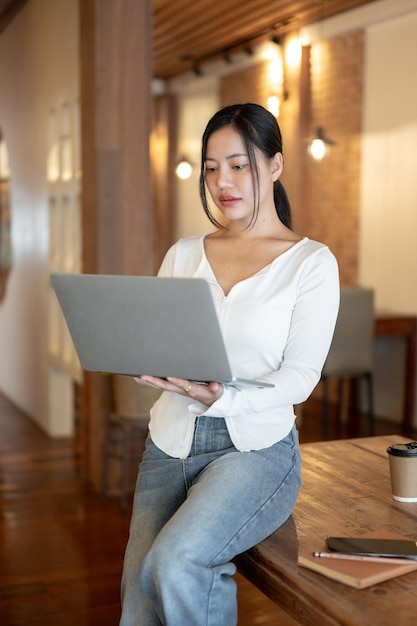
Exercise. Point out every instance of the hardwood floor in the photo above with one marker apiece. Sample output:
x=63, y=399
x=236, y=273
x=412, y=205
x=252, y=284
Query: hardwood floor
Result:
x=62, y=545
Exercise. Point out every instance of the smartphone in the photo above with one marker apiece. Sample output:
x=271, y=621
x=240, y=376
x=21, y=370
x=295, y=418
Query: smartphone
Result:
x=373, y=547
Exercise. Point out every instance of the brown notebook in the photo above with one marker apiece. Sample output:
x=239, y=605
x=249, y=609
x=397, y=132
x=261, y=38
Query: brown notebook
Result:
x=358, y=574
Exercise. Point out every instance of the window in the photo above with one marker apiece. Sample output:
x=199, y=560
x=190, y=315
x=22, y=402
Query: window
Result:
x=5, y=242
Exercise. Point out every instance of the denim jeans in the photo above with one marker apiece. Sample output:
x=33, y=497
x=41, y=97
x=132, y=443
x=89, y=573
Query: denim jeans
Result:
x=192, y=516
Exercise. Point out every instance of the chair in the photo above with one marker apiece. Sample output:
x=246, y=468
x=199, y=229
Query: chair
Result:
x=126, y=429
x=350, y=355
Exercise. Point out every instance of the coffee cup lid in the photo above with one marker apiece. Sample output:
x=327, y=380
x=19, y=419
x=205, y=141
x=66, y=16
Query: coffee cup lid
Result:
x=403, y=449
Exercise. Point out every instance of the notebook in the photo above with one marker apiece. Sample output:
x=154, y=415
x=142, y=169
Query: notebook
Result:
x=359, y=573
x=137, y=325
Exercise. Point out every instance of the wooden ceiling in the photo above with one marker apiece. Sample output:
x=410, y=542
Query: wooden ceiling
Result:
x=186, y=32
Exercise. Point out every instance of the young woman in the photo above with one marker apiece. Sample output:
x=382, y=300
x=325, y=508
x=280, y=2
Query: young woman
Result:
x=221, y=470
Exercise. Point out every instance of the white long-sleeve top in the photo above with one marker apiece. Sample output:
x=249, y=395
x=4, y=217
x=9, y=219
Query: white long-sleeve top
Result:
x=277, y=326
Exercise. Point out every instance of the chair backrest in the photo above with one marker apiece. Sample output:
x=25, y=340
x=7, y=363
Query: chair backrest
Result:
x=131, y=399
x=351, y=348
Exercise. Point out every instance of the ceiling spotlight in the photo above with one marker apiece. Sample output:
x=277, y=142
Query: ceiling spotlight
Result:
x=273, y=105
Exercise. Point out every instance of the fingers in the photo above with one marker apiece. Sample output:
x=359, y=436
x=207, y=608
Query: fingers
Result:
x=207, y=394
x=177, y=385
x=185, y=386
x=150, y=381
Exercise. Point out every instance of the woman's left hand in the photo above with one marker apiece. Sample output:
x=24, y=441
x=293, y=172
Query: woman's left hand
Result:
x=206, y=394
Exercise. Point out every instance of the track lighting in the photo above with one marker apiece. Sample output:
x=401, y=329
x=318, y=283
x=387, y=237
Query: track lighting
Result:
x=246, y=46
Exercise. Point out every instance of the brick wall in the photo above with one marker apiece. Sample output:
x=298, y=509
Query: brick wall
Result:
x=327, y=208
x=332, y=185
x=250, y=85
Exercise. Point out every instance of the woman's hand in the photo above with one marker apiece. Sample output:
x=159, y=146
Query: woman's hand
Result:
x=206, y=394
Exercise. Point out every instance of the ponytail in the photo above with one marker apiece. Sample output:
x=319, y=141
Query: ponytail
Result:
x=282, y=204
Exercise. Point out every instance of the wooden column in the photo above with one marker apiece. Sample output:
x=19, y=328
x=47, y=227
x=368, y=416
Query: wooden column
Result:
x=115, y=68
x=163, y=155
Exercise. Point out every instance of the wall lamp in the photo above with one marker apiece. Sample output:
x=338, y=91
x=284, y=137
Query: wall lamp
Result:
x=320, y=144
x=184, y=168
x=276, y=39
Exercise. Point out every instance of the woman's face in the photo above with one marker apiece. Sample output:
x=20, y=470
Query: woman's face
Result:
x=228, y=176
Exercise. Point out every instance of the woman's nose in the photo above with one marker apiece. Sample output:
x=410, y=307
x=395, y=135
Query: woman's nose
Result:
x=223, y=178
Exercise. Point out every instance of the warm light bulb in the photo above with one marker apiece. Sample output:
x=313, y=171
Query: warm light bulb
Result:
x=273, y=105
x=317, y=149
x=184, y=170
x=268, y=51
x=293, y=53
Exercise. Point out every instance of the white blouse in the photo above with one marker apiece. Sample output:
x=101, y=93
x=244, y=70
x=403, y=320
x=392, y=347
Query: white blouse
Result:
x=277, y=326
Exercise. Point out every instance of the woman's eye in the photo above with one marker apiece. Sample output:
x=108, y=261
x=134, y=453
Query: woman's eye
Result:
x=240, y=166
x=210, y=169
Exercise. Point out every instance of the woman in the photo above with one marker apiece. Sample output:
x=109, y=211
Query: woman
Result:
x=221, y=470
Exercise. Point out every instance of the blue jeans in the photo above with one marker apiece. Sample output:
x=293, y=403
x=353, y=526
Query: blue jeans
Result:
x=192, y=516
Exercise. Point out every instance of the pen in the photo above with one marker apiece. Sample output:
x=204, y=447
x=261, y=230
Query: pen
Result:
x=359, y=557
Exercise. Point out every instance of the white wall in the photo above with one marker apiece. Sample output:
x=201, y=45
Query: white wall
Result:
x=388, y=226
x=39, y=66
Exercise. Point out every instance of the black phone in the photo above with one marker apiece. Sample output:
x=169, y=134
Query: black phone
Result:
x=373, y=547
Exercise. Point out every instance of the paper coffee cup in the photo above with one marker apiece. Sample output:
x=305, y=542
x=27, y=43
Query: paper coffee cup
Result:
x=403, y=471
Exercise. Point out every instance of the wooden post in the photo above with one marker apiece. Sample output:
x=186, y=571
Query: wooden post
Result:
x=116, y=113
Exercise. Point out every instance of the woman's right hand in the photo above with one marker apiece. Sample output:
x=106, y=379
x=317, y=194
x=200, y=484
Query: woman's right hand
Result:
x=206, y=394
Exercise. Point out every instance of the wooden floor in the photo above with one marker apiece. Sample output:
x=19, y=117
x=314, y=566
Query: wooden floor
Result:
x=62, y=546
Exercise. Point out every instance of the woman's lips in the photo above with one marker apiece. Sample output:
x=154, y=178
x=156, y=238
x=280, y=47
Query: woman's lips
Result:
x=228, y=200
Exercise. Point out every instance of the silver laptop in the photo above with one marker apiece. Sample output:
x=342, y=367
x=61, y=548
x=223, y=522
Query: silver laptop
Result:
x=136, y=325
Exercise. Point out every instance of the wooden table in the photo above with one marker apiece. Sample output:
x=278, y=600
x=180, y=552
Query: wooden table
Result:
x=391, y=325
x=346, y=491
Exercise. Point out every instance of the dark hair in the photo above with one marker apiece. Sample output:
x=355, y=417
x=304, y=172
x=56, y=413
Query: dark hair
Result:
x=258, y=128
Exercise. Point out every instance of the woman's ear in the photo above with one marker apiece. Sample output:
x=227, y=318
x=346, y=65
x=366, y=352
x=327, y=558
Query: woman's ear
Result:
x=277, y=165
